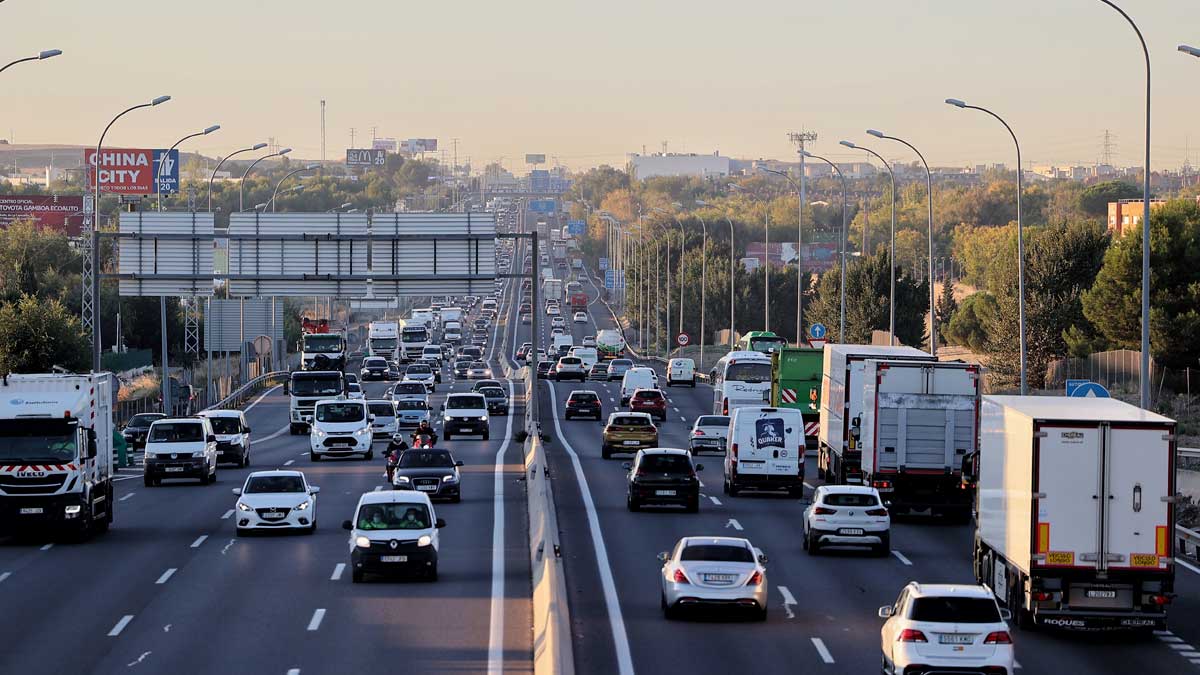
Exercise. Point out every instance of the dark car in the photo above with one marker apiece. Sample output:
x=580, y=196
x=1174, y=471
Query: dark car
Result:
x=497, y=400
x=374, y=368
x=471, y=352
x=137, y=426
x=461, y=367
x=663, y=476
x=434, y=365
x=583, y=403
x=429, y=470
x=649, y=401
x=486, y=383
x=543, y=368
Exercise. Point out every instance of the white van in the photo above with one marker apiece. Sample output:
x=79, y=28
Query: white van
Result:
x=588, y=355
x=233, y=435
x=765, y=450
x=341, y=427
x=432, y=352
x=681, y=371
x=639, y=377
x=394, y=531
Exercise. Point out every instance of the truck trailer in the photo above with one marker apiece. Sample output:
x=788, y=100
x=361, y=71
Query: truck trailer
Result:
x=1076, y=512
x=796, y=383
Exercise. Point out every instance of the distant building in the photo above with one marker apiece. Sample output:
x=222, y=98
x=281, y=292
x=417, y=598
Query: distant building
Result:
x=672, y=164
x=1126, y=214
x=851, y=170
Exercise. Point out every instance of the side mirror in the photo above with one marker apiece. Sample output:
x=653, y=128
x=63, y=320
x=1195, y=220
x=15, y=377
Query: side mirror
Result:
x=211, y=439
x=347, y=525
x=313, y=489
x=627, y=466
x=442, y=408
x=664, y=556
x=1005, y=614
x=699, y=468
x=886, y=612
x=370, y=418
x=439, y=524
x=236, y=491
x=762, y=558
x=458, y=463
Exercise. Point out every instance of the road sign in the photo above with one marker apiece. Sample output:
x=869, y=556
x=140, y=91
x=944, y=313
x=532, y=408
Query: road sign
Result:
x=576, y=227
x=366, y=157
x=1086, y=389
x=541, y=205
x=817, y=331
x=682, y=339
x=610, y=279
x=603, y=264
x=817, y=343
x=133, y=171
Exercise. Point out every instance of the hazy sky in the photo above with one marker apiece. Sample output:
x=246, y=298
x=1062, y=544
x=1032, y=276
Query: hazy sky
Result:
x=590, y=82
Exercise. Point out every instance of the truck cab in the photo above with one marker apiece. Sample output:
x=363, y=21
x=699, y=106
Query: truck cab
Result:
x=305, y=388
x=383, y=340
x=323, y=351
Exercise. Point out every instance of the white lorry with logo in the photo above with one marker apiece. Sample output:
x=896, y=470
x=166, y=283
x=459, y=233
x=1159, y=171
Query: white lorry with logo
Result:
x=323, y=351
x=1075, y=525
x=414, y=338
x=56, y=453
x=383, y=339
x=765, y=450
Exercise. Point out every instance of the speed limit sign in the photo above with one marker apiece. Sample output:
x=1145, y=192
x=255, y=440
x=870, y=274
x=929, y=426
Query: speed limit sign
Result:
x=682, y=339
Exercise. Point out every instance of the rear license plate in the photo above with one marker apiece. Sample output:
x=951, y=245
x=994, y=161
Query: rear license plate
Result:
x=272, y=516
x=427, y=488
x=1108, y=595
x=664, y=493
x=173, y=469
x=719, y=578
x=851, y=531
x=393, y=558
x=31, y=511
x=632, y=443
x=955, y=639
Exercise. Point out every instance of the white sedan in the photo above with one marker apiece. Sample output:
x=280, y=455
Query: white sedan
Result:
x=946, y=628
x=846, y=515
x=355, y=391
x=581, y=317
x=276, y=500
x=716, y=573
x=557, y=322
x=552, y=310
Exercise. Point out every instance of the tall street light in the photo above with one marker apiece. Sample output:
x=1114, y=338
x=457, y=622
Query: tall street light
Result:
x=731, y=272
x=1020, y=242
x=891, y=246
x=41, y=56
x=703, y=273
x=310, y=167
x=682, y=244
x=667, y=230
x=842, y=310
x=340, y=208
x=242, y=185
x=799, y=259
x=257, y=146
x=97, y=161
x=1190, y=50
x=929, y=195
x=158, y=179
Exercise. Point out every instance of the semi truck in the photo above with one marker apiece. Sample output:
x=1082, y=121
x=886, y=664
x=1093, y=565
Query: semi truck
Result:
x=577, y=298
x=796, y=383
x=56, y=453
x=304, y=389
x=841, y=397
x=1076, y=512
x=323, y=351
x=383, y=339
x=610, y=344
x=414, y=338
x=919, y=430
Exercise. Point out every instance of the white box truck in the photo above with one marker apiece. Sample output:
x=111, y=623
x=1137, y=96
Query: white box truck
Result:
x=383, y=339
x=838, y=454
x=1076, y=506
x=414, y=338
x=919, y=427
x=56, y=453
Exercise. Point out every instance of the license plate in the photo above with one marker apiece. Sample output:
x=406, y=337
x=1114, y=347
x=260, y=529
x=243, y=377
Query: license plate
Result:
x=632, y=443
x=955, y=639
x=427, y=488
x=272, y=516
x=31, y=511
x=665, y=493
x=173, y=469
x=719, y=578
x=851, y=531
x=393, y=558
x=1101, y=594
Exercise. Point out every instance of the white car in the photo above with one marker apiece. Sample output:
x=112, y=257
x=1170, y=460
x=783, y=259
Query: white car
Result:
x=180, y=447
x=847, y=515
x=354, y=391
x=946, y=628
x=589, y=341
x=394, y=531
x=709, y=432
x=385, y=420
x=580, y=317
x=714, y=572
x=552, y=310
x=421, y=372
x=406, y=391
x=410, y=412
x=276, y=500
x=340, y=428
x=558, y=322
x=465, y=413
x=233, y=435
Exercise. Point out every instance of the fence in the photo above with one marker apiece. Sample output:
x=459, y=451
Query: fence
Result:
x=1115, y=369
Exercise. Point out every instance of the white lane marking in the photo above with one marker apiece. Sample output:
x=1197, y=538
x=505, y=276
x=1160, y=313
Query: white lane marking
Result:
x=1188, y=565
x=47, y=547
x=612, y=602
x=822, y=650
x=4, y=576
x=139, y=659
x=199, y=540
x=226, y=549
x=289, y=462
x=274, y=435
x=1182, y=647
x=1017, y=664
x=116, y=630
x=166, y=575
x=901, y=558
x=611, y=399
x=315, y=622
x=126, y=496
x=264, y=395
x=496, y=627
x=674, y=408
x=167, y=628
x=1170, y=638
x=715, y=501
x=227, y=515
x=683, y=418
x=337, y=572
x=118, y=479
x=293, y=671
x=788, y=601
x=734, y=524
x=302, y=454
x=809, y=485
x=378, y=488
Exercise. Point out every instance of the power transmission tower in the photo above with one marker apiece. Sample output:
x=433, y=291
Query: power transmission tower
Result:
x=1109, y=147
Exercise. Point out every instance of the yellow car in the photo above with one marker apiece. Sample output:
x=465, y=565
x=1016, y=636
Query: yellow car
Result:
x=628, y=432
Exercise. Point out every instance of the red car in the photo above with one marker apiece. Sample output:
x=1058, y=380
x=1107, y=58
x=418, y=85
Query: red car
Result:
x=649, y=401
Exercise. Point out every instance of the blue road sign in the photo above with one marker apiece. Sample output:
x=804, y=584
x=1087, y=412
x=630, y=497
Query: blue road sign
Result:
x=576, y=228
x=1086, y=389
x=541, y=205
x=817, y=331
x=166, y=171
x=604, y=263
x=610, y=279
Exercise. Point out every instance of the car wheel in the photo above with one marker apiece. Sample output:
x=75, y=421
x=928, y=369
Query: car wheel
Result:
x=884, y=549
x=313, y=457
x=370, y=455
x=487, y=435
x=432, y=575
x=811, y=544
x=797, y=492
x=242, y=532
x=456, y=499
x=803, y=539
x=605, y=452
x=631, y=503
x=148, y=481
x=312, y=529
x=356, y=576
x=693, y=505
x=761, y=614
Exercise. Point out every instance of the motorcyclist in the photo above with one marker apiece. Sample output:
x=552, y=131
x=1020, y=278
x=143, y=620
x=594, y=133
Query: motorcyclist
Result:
x=396, y=446
x=424, y=435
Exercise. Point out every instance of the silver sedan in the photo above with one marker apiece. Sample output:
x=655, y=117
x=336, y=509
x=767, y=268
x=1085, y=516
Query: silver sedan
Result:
x=714, y=572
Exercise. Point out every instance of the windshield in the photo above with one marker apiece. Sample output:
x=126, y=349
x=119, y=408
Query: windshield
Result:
x=322, y=343
x=383, y=344
x=46, y=441
x=418, y=369
x=665, y=464
x=425, y=459
x=409, y=388
x=717, y=553
x=462, y=364
x=316, y=386
x=464, y=402
x=374, y=363
x=264, y=484
x=471, y=352
x=176, y=432
x=621, y=363
x=954, y=610
x=713, y=421
x=393, y=517
x=340, y=412
x=411, y=404
x=144, y=420
x=492, y=392
x=763, y=344
x=415, y=335
x=478, y=364
x=754, y=373
x=382, y=409
x=226, y=425
x=583, y=397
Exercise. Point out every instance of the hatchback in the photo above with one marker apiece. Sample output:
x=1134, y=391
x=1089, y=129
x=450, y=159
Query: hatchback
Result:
x=937, y=628
x=583, y=402
x=663, y=476
x=649, y=401
x=709, y=432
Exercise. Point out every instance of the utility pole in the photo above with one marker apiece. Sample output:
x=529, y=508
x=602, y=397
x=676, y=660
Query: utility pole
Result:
x=352, y=132
x=322, y=130
x=800, y=138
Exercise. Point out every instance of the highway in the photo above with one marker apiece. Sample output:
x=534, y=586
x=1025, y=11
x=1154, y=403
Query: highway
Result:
x=822, y=614
x=171, y=588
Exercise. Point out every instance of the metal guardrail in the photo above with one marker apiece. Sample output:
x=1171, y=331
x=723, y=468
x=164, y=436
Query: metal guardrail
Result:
x=244, y=392
x=1187, y=542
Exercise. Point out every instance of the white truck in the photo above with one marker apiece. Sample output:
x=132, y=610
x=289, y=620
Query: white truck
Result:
x=304, y=389
x=919, y=427
x=323, y=351
x=56, y=453
x=610, y=343
x=1076, y=502
x=414, y=337
x=423, y=316
x=838, y=455
x=552, y=289
x=383, y=339
x=448, y=314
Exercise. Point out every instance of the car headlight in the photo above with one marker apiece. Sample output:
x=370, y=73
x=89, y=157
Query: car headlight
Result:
x=400, y=479
x=425, y=540
x=304, y=505
x=241, y=506
x=319, y=432
x=445, y=418
x=360, y=432
x=450, y=478
x=198, y=454
x=362, y=542
x=484, y=418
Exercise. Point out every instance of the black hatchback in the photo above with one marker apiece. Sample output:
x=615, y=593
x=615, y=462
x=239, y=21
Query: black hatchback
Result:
x=663, y=476
x=583, y=403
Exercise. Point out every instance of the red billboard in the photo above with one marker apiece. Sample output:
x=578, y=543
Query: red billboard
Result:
x=61, y=214
x=122, y=170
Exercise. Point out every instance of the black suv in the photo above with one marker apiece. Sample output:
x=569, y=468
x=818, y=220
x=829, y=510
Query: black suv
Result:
x=663, y=476
x=583, y=403
x=135, y=429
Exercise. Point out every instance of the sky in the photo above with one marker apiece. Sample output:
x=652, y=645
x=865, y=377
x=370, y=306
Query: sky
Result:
x=587, y=83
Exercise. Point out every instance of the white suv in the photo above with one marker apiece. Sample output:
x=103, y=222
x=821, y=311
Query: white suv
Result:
x=570, y=367
x=465, y=413
x=180, y=447
x=847, y=515
x=341, y=427
x=946, y=628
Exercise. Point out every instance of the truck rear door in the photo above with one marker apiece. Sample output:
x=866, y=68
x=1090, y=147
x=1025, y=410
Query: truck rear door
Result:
x=1137, y=521
x=774, y=443
x=1069, y=476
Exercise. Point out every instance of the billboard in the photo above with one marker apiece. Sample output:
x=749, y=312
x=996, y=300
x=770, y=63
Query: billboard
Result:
x=132, y=171
x=535, y=159
x=388, y=144
x=817, y=256
x=541, y=205
x=415, y=145
x=61, y=214
x=365, y=157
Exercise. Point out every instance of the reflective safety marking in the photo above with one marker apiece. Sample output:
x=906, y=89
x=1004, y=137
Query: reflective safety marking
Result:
x=337, y=572
x=116, y=630
x=315, y=622
x=1043, y=537
x=166, y=575
x=822, y=650
x=1160, y=540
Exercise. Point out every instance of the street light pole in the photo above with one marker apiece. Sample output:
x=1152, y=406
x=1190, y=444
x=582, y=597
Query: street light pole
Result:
x=731, y=272
x=929, y=195
x=275, y=194
x=49, y=53
x=158, y=169
x=703, y=274
x=891, y=245
x=842, y=311
x=242, y=185
x=257, y=146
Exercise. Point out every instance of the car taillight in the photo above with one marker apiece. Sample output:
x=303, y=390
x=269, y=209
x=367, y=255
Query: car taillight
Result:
x=697, y=433
x=877, y=512
x=735, y=451
x=1160, y=599
x=911, y=635
x=881, y=484
x=725, y=407
x=823, y=511
x=680, y=577
x=755, y=579
x=998, y=637
x=1041, y=596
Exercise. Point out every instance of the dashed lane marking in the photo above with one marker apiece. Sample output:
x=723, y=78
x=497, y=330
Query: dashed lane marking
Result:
x=293, y=671
x=139, y=659
x=120, y=626
x=47, y=547
x=260, y=398
x=289, y=462
x=4, y=576
x=822, y=650
x=166, y=575
x=315, y=622
x=273, y=436
x=199, y=540
x=228, y=515
x=901, y=558
x=126, y=496
x=788, y=601
x=715, y=501
x=809, y=485
x=734, y=524
x=337, y=572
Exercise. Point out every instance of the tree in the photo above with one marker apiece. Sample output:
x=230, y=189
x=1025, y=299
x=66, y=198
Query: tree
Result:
x=1094, y=200
x=946, y=307
x=867, y=290
x=985, y=252
x=968, y=326
x=37, y=334
x=1113, y=304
